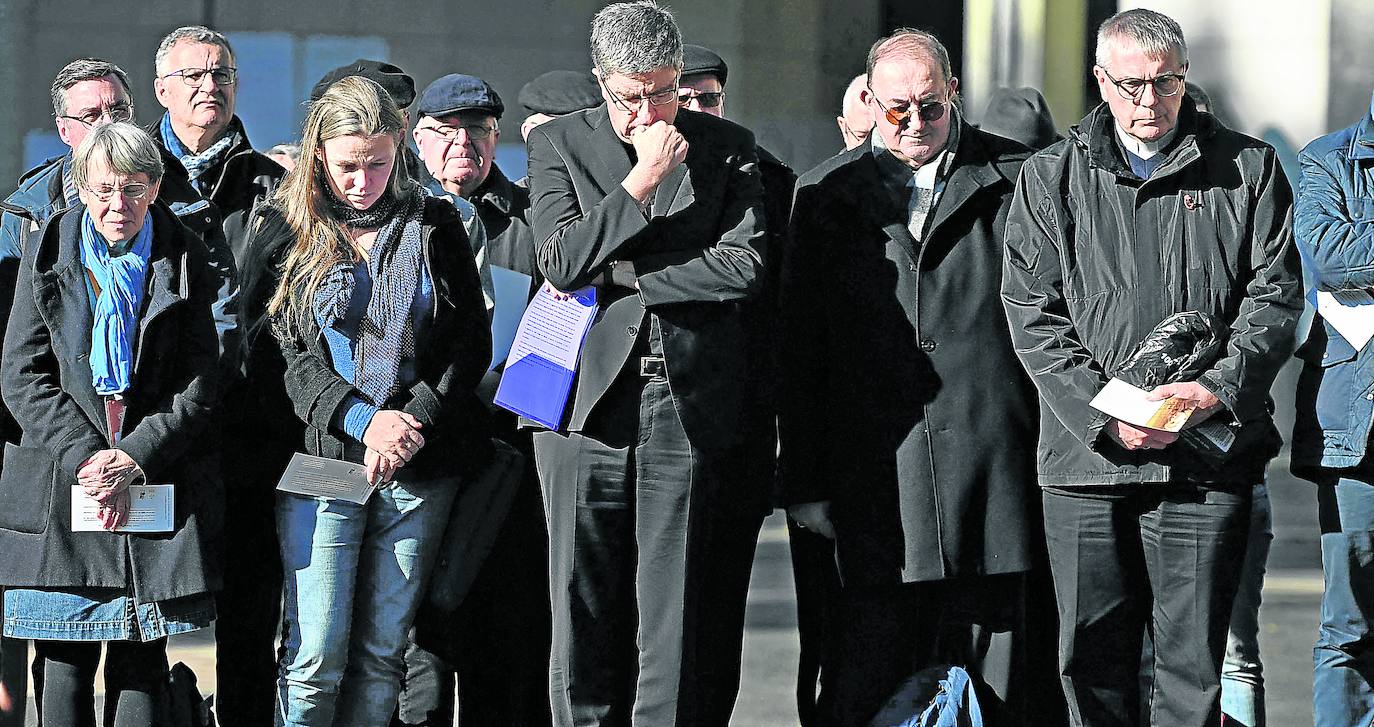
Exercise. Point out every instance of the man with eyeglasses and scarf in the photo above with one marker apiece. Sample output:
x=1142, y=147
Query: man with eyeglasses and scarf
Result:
x=905, y=419
x=1149, y=209
x=214, y=181
x=651, y=529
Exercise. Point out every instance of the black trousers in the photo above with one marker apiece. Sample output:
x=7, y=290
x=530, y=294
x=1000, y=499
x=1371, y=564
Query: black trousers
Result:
x=888, y=633
x=648, y=579
x=248, y=608
x=502, y=632
x=817, y=581
x=1161, y=556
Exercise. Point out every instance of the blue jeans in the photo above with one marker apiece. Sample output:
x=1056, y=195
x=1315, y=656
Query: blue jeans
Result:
x=354, y=578
x=1343, y=675
x=1242, y=672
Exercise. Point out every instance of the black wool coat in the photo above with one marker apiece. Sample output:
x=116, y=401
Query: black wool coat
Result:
x=451, y=358
x=903, y=402
x=46, y=382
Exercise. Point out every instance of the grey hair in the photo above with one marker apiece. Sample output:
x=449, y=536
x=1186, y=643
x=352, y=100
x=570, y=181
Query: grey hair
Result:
x=125, y=148
x=1156, y=34
x=85, y=69
x=633, y=38
x=190, y=34
x=909, y=43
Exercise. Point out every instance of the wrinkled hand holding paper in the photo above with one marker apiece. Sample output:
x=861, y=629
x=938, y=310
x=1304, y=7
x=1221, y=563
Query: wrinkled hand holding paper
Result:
x=1127, y=403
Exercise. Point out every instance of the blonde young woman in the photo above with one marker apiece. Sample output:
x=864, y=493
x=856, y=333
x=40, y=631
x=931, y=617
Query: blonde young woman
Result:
x=381, y=322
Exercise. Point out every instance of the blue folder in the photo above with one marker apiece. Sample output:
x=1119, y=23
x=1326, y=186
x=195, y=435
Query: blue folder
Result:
x=535, y=387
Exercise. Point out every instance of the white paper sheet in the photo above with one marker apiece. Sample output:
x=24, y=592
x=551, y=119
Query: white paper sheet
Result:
x=1123, y=401
x=152, y=509
x=1351, y=313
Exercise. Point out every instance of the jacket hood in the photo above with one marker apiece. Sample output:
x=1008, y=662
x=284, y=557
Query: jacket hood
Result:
x=40, y=187
x=1020, y=114
x=1096, y=134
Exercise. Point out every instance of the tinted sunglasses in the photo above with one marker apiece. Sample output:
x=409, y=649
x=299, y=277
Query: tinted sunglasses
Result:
x=708, y=100
x=928, y=111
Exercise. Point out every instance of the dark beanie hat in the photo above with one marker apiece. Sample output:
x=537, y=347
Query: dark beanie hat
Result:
x=560, y=92
x=397, y=84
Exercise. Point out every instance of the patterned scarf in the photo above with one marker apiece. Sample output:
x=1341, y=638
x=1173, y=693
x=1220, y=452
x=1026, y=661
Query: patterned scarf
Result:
x=198, y=164
x=385, y=335
x=120, y=280
x=369, y=219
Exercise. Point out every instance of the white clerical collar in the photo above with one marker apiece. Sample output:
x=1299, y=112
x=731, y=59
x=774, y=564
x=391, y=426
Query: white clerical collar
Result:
x=1144, y=149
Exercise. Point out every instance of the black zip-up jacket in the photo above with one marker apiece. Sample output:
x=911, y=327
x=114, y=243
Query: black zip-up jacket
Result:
x=450, y=358
x=1097, y=257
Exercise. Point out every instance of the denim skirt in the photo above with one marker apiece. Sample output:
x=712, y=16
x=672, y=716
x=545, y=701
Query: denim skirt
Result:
x=101, y=614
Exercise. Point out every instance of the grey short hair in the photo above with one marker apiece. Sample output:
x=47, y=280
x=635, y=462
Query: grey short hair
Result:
x=125, y=148
x=909, y=43
x=634, y=38
x=190, y=34
x=1157, y=34
x=85, y=69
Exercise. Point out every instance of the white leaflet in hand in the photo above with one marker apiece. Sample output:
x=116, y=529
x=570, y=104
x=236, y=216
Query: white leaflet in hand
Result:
x=152, y=509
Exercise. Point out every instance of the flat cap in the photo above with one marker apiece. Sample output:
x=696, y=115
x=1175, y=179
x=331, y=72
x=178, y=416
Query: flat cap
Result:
x=561, y=92
x=459, y=92
x=699, y=59
x=397, y=84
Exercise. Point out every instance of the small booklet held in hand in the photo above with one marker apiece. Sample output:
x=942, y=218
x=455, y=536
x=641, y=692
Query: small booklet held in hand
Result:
x=324, y=477
x=1123, y=401
x=152, y=509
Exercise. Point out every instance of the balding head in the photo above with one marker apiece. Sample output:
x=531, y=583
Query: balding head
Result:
x=855, y=119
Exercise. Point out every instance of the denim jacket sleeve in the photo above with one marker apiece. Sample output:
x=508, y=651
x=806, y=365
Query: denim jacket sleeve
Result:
x=1334, y=227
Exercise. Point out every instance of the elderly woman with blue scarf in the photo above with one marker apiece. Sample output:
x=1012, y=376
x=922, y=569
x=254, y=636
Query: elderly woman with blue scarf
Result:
x=110, y=369
x=382, y=326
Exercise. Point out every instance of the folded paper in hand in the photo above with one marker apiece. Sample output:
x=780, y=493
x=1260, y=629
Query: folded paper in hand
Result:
x=1127, y=403
x=152, y=509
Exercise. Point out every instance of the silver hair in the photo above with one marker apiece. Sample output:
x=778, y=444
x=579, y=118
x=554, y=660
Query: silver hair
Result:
x=633, y=38
x=125, y=148
x=85, y=69
x=909, y=43
x=189, y=34
x=1156, y=34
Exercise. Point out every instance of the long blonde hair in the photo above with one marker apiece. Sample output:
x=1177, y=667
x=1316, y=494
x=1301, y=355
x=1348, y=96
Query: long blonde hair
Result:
x=353, y=106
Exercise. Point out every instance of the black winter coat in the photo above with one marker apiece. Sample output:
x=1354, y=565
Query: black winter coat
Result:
x=451, y=357
x=46, y=382
x=903, y=402
x=1096, y=258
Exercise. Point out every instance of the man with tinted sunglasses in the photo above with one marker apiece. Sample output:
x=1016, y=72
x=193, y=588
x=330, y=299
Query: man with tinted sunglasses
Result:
x=1150, y=208
x=905, y=419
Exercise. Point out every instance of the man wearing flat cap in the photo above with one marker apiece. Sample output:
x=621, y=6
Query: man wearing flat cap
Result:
x=557, y=93
x=498, y=644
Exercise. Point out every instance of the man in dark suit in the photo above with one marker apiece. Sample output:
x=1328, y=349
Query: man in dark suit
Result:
x=905, y=418
x=661, y=210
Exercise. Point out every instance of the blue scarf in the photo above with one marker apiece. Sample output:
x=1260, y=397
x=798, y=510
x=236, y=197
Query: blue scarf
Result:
x=120, y=280
x=197, y=164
